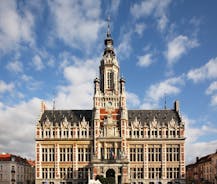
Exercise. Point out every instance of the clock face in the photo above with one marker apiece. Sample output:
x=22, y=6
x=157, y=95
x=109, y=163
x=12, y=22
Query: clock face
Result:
x=109, y=104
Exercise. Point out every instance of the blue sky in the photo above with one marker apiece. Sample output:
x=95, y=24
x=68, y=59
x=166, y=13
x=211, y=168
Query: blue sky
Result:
x=52, y=50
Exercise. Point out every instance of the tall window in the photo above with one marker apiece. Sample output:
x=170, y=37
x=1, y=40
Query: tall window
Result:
x=47, y=154
x=51, y=173
x=66, y=173
x=173, y=153
x=44, y=173
x=66, y=154
x=136, y=153
x=137, y=173
x=154, y=153
x=110, y=78
x=83, y=173
x=173, y=172
x=155, y=173
x=84, y=154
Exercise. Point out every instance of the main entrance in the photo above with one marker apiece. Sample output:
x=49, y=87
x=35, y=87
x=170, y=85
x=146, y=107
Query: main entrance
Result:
x=110, y=176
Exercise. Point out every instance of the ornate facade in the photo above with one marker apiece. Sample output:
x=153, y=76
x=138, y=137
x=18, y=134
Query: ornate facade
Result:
x=130, y=146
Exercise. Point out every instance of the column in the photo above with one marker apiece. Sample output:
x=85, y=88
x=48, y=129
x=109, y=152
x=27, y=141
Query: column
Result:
x=74, y=161
x=57, y=159
x=164, y=161
x=145, y=161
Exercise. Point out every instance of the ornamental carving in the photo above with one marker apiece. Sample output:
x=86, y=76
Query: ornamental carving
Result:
x=83, y=123
x=108, y=120
x=47, y=123
x=154, y=123
x=65, y=123
x=172, y=123
x=136, y=123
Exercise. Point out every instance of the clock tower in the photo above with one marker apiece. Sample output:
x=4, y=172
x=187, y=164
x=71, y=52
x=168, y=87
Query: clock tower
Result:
x=109, y=110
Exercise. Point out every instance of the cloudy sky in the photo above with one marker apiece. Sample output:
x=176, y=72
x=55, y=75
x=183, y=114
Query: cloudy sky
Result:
x=51, y=50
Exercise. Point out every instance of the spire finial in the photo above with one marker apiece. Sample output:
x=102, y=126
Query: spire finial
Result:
x=165, y=101
x=108, y=28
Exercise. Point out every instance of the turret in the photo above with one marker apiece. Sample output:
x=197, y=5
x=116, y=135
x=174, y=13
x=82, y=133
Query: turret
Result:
x=122, y=85
x=96, y=85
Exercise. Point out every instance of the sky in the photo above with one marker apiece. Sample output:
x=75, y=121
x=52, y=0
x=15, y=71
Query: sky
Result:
x=50, y=50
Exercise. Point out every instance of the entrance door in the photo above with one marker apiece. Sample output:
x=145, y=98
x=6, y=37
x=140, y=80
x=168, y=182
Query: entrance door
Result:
x=110, y=176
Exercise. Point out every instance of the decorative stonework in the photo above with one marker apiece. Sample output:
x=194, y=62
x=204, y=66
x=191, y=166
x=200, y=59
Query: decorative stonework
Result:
x=154, y=123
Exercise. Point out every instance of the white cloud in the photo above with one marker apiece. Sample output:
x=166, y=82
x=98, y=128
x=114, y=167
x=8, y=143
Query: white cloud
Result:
x=162, y=22
x=212, y=88
x=114, y=6
x=15, y=66
x=14, y=28
x=4, y=87
x=132, y=100
x=19, y=122
x=152, y=7
x=80, y=87
x=170, y=86
x=178, y=47
x=214, y=100
x=208, y=71
x=156, y=92
x=124, y=48
x=139, y=28
x=37, y=62
x=193, y=134
x=145, y=61
x=80, y=23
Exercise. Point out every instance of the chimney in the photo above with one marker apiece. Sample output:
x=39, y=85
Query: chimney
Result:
x=176, y=106
x=197, y=159
x=43, y=107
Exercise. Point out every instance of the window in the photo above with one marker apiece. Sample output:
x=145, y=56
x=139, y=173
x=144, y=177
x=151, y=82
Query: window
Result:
x=83, y=173
x=66, y=154
x=173, y=172
x=87, y=154
x=132, y=154
x=137, y=173
x=62, y=154
x=44, y=173
x=84, y=154
x=51, y=173
x=110, y=78
x=47, y=154
x=155, y=173
x=63, y=173
x=66, y=173
x=173, y=153
x=136, y=153
x=155, y=153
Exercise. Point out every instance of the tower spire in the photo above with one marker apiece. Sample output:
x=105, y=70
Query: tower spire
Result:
x=108, y=27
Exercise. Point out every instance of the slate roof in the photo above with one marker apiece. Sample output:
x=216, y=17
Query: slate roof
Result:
x=75, y=116
x=161, y=116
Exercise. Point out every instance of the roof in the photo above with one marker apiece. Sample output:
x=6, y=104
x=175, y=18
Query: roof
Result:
x=161, y=116
x=144, y=116
x=73, y=116
x=15, y=158
x=203, y=159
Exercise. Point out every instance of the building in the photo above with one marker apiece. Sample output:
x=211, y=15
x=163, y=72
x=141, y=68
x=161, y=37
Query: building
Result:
x=204, y=170
x=129, y=146
x=16, y=170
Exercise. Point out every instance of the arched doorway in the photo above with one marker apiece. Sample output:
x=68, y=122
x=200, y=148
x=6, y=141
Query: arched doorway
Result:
x=110, y=176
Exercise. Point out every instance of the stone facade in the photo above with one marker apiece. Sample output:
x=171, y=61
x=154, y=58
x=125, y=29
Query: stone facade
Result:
x=132, y=146
x=16, y=170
